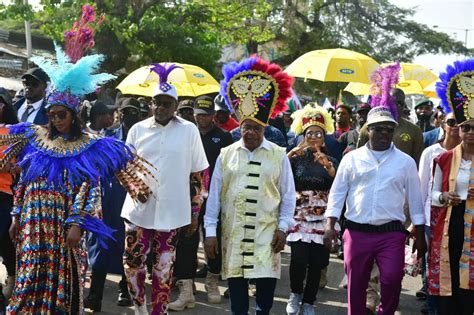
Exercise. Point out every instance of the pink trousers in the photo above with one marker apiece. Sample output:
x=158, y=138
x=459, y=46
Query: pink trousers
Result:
x=361, y=250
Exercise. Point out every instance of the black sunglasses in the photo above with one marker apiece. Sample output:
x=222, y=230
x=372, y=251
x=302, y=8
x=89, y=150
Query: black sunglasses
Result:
x=31, y=83
x=451, y=122
x=380, y=129
x=466, y=128
x=61, y=115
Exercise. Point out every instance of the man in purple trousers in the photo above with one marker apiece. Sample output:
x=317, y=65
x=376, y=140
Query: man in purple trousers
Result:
x=374, y=181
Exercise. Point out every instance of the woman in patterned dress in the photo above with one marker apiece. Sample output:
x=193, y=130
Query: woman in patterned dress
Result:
x=313, y=171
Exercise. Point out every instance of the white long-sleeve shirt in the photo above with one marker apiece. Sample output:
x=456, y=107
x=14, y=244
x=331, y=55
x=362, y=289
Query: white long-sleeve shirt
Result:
x=374, y=189
x=462, y=182
x=425, y=172
x=286, y=186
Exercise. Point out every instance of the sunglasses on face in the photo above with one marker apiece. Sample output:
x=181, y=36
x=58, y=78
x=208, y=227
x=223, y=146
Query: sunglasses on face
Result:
x=380, y=129
x=451, y=122
x=315, y=134
x=466, y=128
x=61, y=115
x=31, y=83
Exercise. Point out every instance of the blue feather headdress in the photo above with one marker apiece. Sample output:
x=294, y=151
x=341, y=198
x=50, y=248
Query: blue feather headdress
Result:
x=164, y=88
x=72, y=81
x=455, y=88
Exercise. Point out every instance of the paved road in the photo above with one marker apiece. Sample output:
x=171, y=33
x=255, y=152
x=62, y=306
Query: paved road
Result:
x=331, y=300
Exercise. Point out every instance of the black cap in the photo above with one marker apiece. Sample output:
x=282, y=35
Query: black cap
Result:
x=204, y=105
x=144, y=107
x=36, y=73
x=363, y=107
x=187, y=103
x=99, y=108
x=424, y=102
x=130, y=102
x=219, y=104
x=5, y=96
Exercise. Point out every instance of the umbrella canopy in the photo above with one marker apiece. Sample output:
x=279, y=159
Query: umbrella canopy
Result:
x=414, y=72
x=189, y=80
x=333, y=65
x=413, y=80
x=430, y=90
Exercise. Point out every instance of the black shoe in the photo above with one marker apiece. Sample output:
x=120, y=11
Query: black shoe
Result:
x=93, y=303
x=202, y=273
x=368, y=311
x=421, y=294
x=124, y=298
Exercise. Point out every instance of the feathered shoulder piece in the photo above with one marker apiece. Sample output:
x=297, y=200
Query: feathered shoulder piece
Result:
x=455, y=88
x=383, y=81
x=255, y=89
x=90, y=158
x=312, y=115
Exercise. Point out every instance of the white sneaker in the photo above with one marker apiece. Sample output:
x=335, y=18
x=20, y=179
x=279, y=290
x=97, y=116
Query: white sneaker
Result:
x=307, y=309
x=141, y=310
x=8, y=287
x=293, y=306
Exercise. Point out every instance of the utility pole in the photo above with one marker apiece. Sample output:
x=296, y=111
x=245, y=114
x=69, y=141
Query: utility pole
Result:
x=28, y=36
x=465, y=38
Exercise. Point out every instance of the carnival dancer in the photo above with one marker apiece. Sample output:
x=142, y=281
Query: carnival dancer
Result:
x=58, y=193
x=252, y=186
x=451, y=256
x=173, y=146
x=313, y=171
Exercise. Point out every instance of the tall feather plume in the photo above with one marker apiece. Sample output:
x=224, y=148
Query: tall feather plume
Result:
x=77, y=78
x=383, y=81
x=163, y=71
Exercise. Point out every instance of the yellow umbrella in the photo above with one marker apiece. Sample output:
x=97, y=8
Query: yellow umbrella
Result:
x=333, y=65
x=409, y=87
x=430, y=90
x=413, y=80
x=189, y=80
x=414, y=72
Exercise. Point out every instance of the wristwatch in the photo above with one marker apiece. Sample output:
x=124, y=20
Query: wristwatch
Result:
x=441, y=199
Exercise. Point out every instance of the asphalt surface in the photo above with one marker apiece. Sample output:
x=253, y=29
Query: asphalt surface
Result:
x=330, y=300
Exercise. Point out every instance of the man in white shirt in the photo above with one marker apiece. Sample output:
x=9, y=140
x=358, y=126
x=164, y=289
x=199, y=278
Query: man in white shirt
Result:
x=375, y=180
x=173, y=146
x=31, y=108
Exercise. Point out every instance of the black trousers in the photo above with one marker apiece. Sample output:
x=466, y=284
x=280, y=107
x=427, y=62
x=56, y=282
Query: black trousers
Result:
x=462, y=301
x=307, y=260
x=185, y=264
x=239, y=295
x=98, y=283
x=7, y=248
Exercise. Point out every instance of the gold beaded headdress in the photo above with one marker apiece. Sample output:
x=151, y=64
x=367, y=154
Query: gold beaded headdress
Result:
x=456, y=90
x=255, y=89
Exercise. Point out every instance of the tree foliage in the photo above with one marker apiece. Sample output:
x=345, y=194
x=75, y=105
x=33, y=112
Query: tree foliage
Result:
x=138, y=32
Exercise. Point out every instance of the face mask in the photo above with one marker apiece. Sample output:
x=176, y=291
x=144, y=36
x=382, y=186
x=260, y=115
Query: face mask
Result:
x=130, y=120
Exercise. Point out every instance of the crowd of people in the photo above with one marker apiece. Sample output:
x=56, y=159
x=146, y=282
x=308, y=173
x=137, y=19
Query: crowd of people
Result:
x=129, y=188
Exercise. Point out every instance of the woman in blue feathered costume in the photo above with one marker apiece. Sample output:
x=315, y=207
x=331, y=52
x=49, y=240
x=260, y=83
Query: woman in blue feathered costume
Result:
x=58, y=196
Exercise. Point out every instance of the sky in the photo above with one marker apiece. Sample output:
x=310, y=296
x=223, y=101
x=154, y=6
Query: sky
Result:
x=450, y=16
